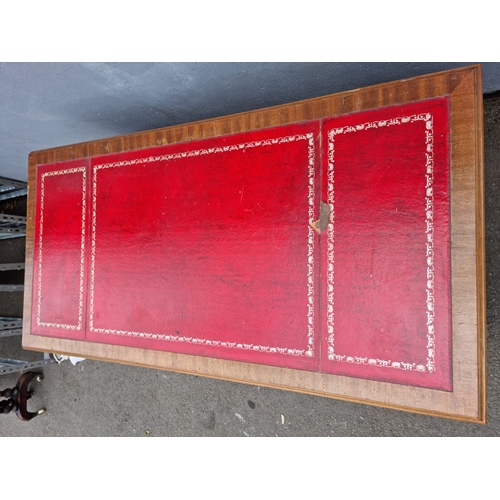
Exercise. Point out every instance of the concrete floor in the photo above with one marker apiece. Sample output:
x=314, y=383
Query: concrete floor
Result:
x=103, y=399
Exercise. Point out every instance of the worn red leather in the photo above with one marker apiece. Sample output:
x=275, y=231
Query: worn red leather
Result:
x=386, y=256
x=207, y=247
x=59, y=265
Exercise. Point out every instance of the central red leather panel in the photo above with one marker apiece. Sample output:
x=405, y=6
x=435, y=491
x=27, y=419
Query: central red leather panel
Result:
x=206, y=248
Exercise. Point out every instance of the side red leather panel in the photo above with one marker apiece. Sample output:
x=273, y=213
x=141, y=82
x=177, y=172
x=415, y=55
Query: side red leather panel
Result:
x=59, y=271
x=386, y=254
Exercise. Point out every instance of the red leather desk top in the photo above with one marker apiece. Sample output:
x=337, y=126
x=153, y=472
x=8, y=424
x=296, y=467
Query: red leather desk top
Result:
x=207, y=247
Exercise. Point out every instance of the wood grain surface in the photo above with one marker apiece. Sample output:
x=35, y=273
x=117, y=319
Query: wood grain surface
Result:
x=467, y=400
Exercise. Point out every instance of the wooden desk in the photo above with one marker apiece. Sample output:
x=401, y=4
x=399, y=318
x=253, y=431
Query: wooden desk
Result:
x=333, y=246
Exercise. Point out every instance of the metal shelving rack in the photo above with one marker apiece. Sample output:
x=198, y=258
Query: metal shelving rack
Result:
x=14, y=226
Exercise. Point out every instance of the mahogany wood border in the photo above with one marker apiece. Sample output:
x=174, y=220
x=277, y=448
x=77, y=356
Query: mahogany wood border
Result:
x=467, y=401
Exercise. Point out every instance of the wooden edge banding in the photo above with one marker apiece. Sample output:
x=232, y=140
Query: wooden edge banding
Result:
x=28, y=267
x=470, y=134
x=464, y=403
x=480, y=244
x=350, y=101
x=146, y=363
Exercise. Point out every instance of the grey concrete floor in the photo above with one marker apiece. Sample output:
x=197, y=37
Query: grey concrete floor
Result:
x=103, y=399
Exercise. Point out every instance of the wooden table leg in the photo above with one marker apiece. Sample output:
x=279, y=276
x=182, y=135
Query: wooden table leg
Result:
x=16, y=399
